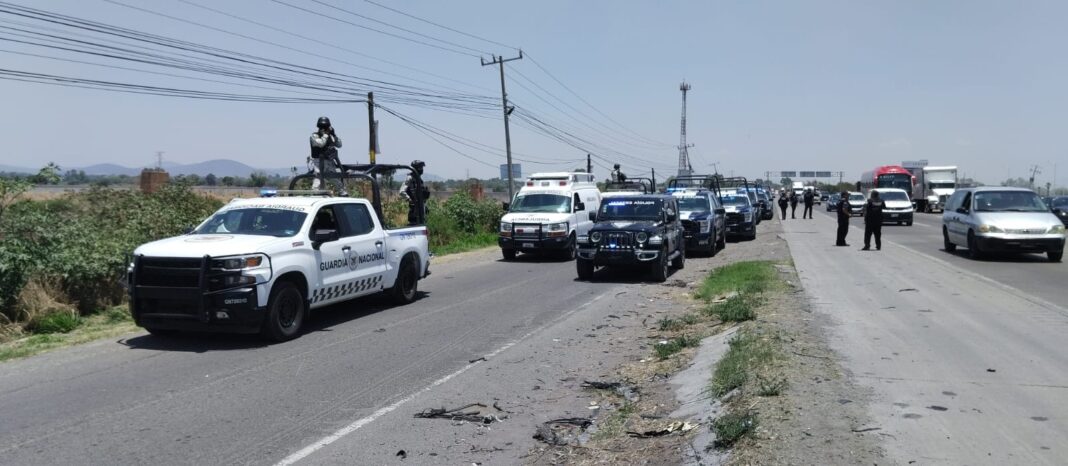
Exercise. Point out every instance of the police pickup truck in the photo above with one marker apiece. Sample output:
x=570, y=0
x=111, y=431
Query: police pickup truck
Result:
x=261, y=265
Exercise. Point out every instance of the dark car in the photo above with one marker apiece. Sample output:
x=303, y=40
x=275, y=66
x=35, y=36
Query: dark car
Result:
x=642, y=232
x=704, y=220
x=1059, y=207
x=741, y=215
x=766, y=211
x=832, y=202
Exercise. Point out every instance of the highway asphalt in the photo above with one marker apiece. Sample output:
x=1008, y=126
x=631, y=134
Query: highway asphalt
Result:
x=964, y=359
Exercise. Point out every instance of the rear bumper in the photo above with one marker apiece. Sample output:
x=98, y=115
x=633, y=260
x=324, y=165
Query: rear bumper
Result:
x=533, y=244
x=994, y=244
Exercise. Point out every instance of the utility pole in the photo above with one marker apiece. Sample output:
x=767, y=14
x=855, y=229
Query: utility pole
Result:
x=500, y=60
x=1034, y=171
x=589, y=164
x=654, y=178
x=159, y=160
x=372, y=128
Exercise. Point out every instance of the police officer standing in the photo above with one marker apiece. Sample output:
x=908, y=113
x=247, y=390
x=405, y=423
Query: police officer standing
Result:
x=616, y=175
x=793, y=204
x=810, y=198
x=324, y=146
x=873, y=221
x=782, y=203
x=843, y=219
x=412, y=190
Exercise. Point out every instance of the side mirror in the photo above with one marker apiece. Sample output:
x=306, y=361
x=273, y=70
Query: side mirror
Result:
x=506, y=206
x=593, y=216
x=188, y=230
x=962, y=210
x=721, y=211
x=580, y=207
x=318, y=237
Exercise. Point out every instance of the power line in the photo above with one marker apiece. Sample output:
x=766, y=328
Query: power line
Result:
x=409, y=31
x=447, y=28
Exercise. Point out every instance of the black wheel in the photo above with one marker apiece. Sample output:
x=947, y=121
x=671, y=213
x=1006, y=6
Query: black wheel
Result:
x=509, y=254
x=286, y=309
x=679, y=262
x=908, y=223
x=584, y=268
x=161, y=332
x=946, y=243
x=721, y=243
x=569, y=251
x=660, y=268
x=407, y=285
x=973, y=247
x=1055, y=256
x=713, y=246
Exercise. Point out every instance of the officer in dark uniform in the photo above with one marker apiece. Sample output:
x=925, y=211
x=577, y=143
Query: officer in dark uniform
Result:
x=793, y=204
x=873, y=221
x=412, y=190
x=782, y=203
x=843, y=219
x=810, y=198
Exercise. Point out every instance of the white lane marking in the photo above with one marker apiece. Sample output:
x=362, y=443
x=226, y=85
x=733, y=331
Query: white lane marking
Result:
x=342, y=432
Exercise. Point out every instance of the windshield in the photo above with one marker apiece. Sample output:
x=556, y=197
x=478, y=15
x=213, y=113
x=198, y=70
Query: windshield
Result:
x=856, y=197
x=1008, y=201
x=631, y=209
x=694, y=204
x=738, y=200
x=896, y=180
x=542, y=203
x=893, y=196
x=941, y=185
x=1060, y=202
x=256, y=221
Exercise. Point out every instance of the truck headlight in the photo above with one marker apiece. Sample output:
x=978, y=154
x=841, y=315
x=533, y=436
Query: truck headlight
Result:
x=556, y=229
x=990, y=229
x=705, y=225
x=242, y=263
x=506, y=229
x=1056, y=229
x=595, y=237
x=641, y=236
x=656, y=240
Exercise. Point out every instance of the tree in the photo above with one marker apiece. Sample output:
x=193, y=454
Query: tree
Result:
x=210, y=180
x=787, y=182
x=10, y=192
x=47, y=175
x=257, y=179
x=1017, y=183
x=228, y=181
x=75, y=177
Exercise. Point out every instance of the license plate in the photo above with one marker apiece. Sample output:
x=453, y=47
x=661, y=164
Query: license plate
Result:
x=528, y=245
x=893, y=215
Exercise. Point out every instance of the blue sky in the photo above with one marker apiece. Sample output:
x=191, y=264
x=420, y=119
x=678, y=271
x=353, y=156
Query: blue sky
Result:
x=820, y=85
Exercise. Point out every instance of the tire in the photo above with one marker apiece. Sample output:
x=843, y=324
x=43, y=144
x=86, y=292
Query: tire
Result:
x=908, y=223
x=286, y=310
x=406, y=288
x=721, y=243
x=713, y=246
x=946, y=243
x=508, y=254
x=660, y=268
x=1055, y=256
x=973, y=247
x=569, y=252
x=680, y=262
x=584, y=268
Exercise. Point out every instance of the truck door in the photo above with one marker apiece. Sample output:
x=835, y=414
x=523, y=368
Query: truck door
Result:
x=332, y=258
x=367, y=256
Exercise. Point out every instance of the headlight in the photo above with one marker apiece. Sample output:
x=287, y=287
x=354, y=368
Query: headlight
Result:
x=748, y=216
x=990, y=229
x=506, y=227
x=595, y=237
x=250, y=262
x=641, y=236
x=655, y=240
x=557, y=227
x=1056, y=229
x=705, y=225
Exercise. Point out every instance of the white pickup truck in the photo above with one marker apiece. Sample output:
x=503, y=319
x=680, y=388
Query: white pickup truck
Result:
x=261, y=265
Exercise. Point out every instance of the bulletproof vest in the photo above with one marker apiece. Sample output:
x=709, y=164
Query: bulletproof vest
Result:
x=875, y=211
x=329, y=150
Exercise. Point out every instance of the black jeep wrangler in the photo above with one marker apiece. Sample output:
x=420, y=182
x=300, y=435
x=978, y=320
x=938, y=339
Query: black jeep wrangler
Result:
x=633, y=231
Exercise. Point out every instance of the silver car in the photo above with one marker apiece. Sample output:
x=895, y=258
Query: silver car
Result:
x=990, y=219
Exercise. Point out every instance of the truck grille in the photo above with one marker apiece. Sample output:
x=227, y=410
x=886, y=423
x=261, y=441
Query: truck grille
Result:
x=734, y=218
x=691, y=227
x=618, y=239
x=169, y=272
x=527, y=230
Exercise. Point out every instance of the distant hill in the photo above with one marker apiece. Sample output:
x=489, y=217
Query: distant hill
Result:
x=219, y=167
x=11, y=169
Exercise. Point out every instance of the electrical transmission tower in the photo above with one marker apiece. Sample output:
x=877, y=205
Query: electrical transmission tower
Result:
x=685, y=168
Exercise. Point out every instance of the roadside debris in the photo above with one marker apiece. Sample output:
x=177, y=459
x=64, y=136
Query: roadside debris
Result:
x=459, y=414
x=677, y=426
x=402, y=454
x=630, y=393
x=724, y=297
x=907, y=289
x=991, y=370
x=476, y=360
x=867, y=429
x=561, y=432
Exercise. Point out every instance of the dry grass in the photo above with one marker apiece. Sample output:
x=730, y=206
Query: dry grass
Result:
x=40, y=298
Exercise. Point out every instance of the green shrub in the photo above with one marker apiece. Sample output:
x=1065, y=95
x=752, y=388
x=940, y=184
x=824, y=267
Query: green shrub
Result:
x=736, y=309
x=59, y=322
x=674, y=345
x=731, y=427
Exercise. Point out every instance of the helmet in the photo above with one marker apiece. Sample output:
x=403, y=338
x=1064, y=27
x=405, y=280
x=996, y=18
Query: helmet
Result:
x=323, y=122
x=617, y=166
x=418, y=166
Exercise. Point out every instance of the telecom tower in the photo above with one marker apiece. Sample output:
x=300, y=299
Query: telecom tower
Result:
x=685, y=168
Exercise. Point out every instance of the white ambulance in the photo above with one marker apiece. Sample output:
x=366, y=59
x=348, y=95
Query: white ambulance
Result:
x=548, y=213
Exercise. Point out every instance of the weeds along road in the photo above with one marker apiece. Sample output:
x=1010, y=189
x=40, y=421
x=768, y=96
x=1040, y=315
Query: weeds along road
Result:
x=230, y=399
x=965, y=359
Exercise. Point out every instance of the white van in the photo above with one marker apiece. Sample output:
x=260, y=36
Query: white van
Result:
x=548, y=213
